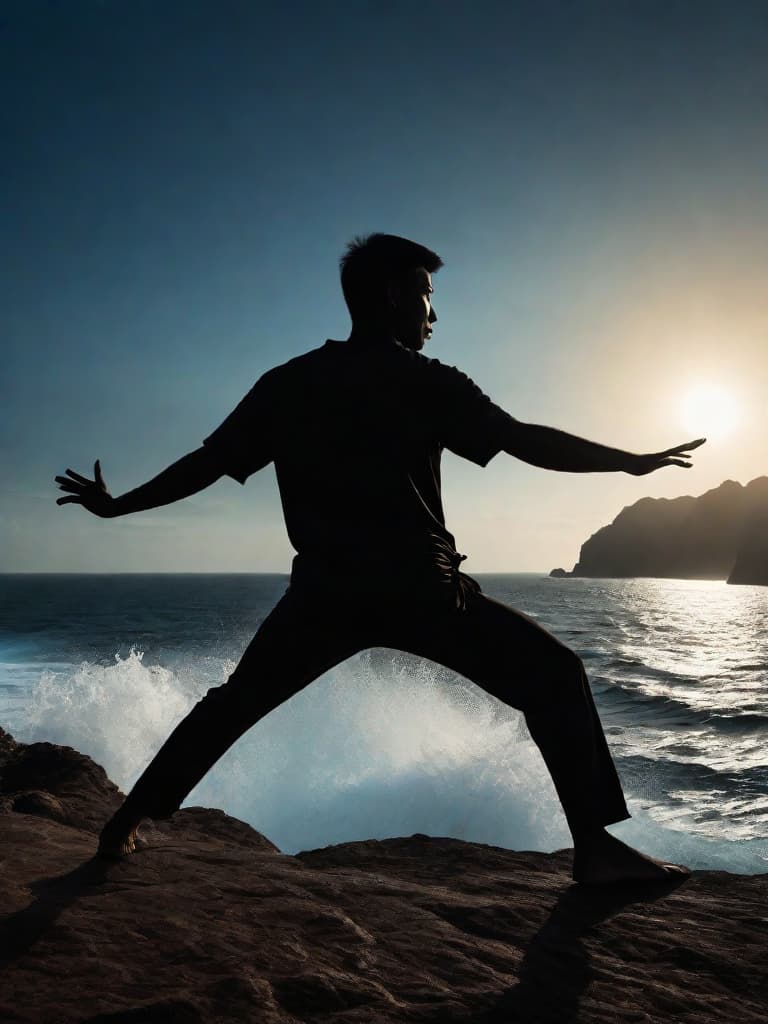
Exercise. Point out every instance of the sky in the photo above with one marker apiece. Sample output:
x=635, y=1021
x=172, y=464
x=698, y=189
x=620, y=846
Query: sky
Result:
x=179, y=180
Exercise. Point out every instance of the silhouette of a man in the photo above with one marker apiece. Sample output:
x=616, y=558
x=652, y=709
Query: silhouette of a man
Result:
x=356, y=429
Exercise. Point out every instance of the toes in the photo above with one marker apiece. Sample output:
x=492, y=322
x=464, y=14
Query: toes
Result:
x=677, y=869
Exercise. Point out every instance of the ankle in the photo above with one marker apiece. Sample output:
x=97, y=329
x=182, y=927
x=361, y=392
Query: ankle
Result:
x=588, y=836
x=122, y=822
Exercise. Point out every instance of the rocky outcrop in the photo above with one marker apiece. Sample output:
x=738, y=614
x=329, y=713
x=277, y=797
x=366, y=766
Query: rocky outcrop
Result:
x=751, y=565
x=209, y=922
x=684, y=538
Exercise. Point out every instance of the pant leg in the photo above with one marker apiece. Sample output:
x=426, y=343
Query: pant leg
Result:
x=518, y=661
x=295, y=644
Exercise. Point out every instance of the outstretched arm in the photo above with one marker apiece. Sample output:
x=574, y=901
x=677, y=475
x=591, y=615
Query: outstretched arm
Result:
x=555, y=449
x=192, y=473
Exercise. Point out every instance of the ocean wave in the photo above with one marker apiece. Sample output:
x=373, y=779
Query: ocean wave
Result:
x=613, y=691
x=638, y=701
x=379, y=746
x=669, y=771
x=698, y=798
x=747, y=721
x=667, y=675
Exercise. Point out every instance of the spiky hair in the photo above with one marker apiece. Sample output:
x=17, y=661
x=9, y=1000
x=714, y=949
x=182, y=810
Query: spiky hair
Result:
x=371, y=261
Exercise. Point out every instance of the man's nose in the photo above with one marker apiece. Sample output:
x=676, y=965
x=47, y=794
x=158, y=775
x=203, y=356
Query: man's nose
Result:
x=432, y=315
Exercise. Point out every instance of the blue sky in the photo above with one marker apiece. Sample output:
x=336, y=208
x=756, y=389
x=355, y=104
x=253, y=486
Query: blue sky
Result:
x=180, y=179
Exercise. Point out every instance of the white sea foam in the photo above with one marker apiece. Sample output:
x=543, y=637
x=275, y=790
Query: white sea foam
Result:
x=119, y=714
x=377, y=747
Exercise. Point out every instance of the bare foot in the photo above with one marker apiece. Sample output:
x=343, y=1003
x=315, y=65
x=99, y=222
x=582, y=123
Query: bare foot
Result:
x=601, y=859
x=118, y=838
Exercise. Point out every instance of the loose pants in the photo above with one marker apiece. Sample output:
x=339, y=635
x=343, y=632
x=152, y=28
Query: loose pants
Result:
x=313, y=628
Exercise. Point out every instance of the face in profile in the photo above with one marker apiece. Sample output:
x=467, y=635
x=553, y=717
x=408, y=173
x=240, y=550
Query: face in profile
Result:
x=413, y=311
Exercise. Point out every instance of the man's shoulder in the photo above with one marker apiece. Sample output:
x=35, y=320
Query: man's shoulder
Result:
x=443, y=374
x=304, y=364
x=330, y=357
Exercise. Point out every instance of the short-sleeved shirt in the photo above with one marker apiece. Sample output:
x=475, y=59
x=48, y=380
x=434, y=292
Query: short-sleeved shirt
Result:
x=356, y=431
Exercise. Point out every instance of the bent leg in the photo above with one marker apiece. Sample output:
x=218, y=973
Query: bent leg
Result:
x=295, y=644
x=522, y=664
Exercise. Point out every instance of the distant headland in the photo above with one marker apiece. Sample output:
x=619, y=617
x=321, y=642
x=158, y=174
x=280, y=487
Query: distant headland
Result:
x=721, y=535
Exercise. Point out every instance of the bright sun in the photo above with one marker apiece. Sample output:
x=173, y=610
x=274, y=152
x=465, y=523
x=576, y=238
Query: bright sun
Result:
x=709, y=411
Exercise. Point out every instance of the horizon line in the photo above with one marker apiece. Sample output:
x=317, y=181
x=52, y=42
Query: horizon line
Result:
x=217, y=572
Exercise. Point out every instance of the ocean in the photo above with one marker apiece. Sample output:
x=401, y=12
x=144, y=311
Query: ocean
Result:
x=388, y=745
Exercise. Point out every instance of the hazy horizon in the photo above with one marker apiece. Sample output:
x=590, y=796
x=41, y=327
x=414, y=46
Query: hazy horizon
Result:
x=181, y=180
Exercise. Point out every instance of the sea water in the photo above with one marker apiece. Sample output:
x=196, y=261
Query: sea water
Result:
x=386, y=744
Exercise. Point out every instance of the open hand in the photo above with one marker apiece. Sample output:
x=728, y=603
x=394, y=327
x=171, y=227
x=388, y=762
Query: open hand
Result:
x=91, y=494
x=639, y=465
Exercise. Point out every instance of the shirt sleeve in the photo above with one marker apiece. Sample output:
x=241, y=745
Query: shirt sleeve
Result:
x=244, y=442
x=468, y=422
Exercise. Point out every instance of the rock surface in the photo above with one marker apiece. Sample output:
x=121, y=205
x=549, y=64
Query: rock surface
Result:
x=686, y=538
x=209, y=922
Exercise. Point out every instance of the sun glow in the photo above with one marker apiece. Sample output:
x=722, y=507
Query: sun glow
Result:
x=709, y=411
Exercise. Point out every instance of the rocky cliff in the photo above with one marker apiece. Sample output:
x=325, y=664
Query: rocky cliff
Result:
x=751, y=565
x=719, y=535
x=209, y=922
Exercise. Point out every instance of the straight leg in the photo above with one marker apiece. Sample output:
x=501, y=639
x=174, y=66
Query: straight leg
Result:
x=522, y=664
x=296, y=643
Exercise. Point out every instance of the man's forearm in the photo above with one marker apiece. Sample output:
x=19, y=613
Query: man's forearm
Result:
x=555, y=449
x=190, y=474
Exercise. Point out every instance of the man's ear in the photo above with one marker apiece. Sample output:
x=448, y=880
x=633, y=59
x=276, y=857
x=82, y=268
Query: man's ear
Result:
x=393, y=294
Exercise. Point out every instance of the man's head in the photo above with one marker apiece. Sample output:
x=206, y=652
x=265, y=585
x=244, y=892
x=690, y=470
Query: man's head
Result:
x=387, y=284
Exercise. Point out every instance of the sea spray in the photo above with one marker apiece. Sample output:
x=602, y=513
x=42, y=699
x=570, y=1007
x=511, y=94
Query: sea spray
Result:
x=383, y=745
x=119, y=714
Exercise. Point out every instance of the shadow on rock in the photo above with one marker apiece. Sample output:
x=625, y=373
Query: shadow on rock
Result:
x=20, y=931
x=556, y=970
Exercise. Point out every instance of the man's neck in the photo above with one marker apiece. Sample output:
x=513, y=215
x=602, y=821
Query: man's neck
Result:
x=372, y=334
